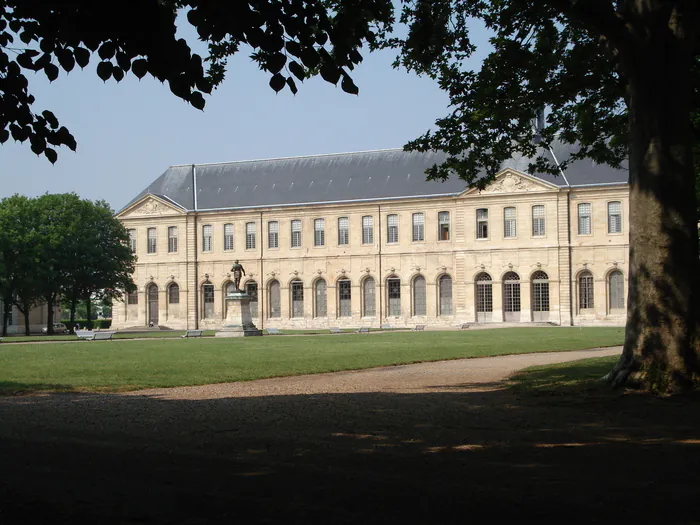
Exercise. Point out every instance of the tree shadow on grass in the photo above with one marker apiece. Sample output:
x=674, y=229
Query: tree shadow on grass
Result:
x=452, y=456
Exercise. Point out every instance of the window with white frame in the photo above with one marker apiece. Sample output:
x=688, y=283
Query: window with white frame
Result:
x=320, y=304
x=296, y=233
x=393, y=287
x=206, y=238
x=250, y=230
x=251, y=288
x=152, y=240
x=392, y=229
x=444, y=225
x=367, y=229
x=369, y=300
x=538, y=221
x=319, y=232
x=418, y=220
x=344, y=298
x=419, y=299
x=617, y=289
x=172, y=239
x=208, y=300
x=585, y=291
x=132, y=239
x=228, y=237
x=615, y=217
x=273, y=234
x=509, y=223
x=482, y=223
x=297, y=291
x=343, y=231
x=584, y=218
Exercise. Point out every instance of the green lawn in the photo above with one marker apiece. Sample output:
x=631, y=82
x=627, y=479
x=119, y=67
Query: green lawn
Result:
x=568, y=377
x=128, y=365
x=71, y=337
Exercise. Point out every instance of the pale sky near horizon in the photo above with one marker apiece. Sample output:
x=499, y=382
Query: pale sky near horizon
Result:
x=129, y=133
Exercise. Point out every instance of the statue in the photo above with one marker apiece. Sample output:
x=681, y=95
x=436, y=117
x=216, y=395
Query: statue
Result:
x=237, y=270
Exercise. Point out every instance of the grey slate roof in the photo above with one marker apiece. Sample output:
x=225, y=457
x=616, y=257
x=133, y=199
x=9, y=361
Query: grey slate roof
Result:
x=362, y=176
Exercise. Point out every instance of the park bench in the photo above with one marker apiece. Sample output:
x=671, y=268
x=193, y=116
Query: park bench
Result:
x=464, y=326
x=363, y=330
x=85, y=334
x=385, y=327
x=192, y=333
x=419, y=328
x=336, y=330
x=274, y=331
x=0, y=339
x=102, y=336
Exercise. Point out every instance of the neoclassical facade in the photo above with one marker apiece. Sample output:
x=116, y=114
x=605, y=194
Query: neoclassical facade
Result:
x=361, y=239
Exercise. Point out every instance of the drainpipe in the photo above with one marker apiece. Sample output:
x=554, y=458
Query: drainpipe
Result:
x=196, y=246
x=261, y=310
x=379, y=281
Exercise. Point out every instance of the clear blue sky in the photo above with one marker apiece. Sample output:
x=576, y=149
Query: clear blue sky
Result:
x=129, y=133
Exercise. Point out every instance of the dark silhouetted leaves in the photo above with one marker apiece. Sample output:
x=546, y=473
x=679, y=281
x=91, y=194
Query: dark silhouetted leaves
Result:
x=297, y=70
x=104, y=70
x=65, y=58
x=139, y=67
x=277, y=82
x=292, y=85
x=51, y=71
x=107, y=50
x=117, y=73
x=276, y=62
x=197, y=100
x=4, y=136
x=82, y=56
x=51, y=155
x=330, y=73
x=349, y=86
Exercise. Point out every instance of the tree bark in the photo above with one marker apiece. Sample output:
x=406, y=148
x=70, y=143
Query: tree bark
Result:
x=88, y=307
x=6, y=311
x=663, y=308
x=50, y=299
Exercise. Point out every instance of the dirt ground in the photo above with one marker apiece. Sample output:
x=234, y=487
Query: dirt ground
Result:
x=431, y=443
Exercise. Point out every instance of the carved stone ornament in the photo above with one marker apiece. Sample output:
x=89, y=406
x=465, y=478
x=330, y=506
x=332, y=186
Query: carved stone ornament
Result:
x=509, y=184
x=319, y=272
x=150, y=207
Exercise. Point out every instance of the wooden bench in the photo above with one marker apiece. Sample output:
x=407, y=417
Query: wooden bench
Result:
x=85, y=334
x=273, y=331
x=363, y=330
x=192, y=333
x=464, y=326
x=419, y=328
x=385, y=327
x=336, y=330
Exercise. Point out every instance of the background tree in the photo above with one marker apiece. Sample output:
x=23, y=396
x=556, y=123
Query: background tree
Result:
x=621, y=80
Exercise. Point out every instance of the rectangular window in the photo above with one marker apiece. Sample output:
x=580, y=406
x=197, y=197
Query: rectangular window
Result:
x=538, y=221
x=208, y=300
x=319, y=232
x=273, y=234
x=418, y=227
x=344, y=292
x=132, y=239
x=172, y=239
x=367, y=229
x=482, y=223
x=228, y=237
x=444, y=225
x=151, y=235
x=250, y=229
x=584, y=218
x=206, y=238
x=296, y=233
x=508, y=222
x=132, y=298
x=394, y=293
x=392, y=229
x=343, y=231
x=615, y=217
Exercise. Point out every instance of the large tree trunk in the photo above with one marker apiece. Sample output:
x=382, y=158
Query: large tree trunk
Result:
x=88, y=307
x=6, y=312
x=50, y=299
x=663, y=310
x=27, y=309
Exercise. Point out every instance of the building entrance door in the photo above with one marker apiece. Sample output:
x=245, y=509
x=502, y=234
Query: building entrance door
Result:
x=153, y=305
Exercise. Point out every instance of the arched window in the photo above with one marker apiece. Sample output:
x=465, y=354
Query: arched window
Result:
x=230, y=288
x=173, y=294
x=616, y=283
x=153, y=305
x=393, y=288
x=208, y=300
x=585, y=290
x=344, y=295
x=540, y=296
x=296, y=288
x=445, y=294
x=275, y=309
x=369, y=298
x=320, y=299
x=418, y=295
x=511, y=297
x=484, y=297
x=251, y=288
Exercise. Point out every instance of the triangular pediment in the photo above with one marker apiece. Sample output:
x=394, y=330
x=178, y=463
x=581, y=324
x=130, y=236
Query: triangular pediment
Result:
x=151, y=206
x=512, y=181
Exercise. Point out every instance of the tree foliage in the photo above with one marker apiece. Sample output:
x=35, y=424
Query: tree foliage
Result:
x=290, y=40
x=58, y=246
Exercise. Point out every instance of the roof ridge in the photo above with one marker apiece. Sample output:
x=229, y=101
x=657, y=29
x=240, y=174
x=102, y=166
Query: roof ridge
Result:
x=289, y=158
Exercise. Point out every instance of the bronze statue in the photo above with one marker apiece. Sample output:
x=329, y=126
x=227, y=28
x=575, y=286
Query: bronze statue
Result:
x=237, y=270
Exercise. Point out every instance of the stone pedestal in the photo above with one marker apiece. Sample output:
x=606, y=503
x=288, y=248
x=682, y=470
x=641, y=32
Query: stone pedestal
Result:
x=238, y=322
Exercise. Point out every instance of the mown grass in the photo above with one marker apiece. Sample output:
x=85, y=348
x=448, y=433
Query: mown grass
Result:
x=129, y=365
x=166, y=334
x=565, y=378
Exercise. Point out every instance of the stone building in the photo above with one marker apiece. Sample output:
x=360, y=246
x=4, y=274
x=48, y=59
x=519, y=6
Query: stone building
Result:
x=362, y=239
x=38, y=317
